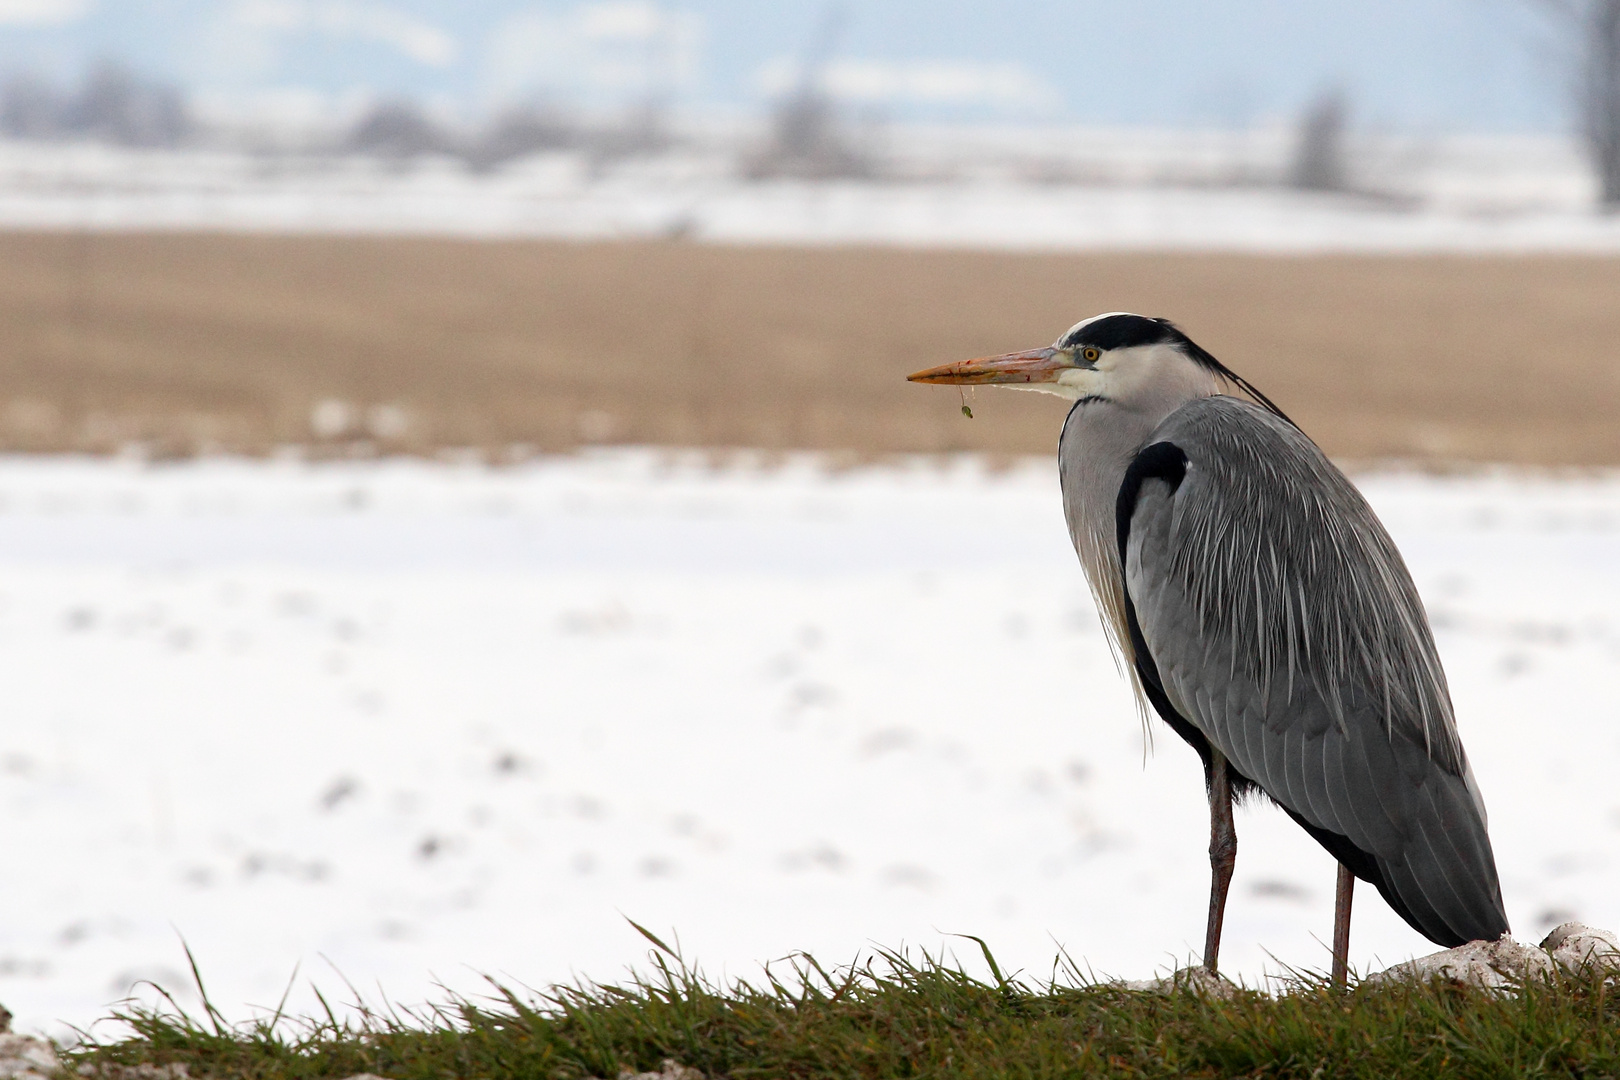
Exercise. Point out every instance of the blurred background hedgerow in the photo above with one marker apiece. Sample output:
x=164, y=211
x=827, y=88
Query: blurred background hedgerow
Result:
x=377, y=227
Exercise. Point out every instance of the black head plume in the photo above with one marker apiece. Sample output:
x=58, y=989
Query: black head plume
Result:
x=1124, y=331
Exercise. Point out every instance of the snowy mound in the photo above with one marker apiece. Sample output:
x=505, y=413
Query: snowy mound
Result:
x=1571, y=947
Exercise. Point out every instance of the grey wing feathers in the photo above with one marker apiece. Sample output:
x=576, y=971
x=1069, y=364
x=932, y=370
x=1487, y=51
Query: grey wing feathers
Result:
x=1284, y=626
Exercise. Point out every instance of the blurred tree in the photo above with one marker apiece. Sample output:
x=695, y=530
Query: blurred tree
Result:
x=1593, y=27
x=1600, y=95
x=1319, y=156
x=807, y=138
x=518, y=132
x=398, y=128
x=113, y=104
x=642, y=129
x=116, y=105
x=31, y=108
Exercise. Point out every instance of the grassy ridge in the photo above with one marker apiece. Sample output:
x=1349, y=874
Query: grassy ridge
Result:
x=895, y=1016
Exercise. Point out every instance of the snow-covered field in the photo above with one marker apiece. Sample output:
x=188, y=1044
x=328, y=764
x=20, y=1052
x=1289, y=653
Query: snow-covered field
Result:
x=1048, y=189
x=407, y=722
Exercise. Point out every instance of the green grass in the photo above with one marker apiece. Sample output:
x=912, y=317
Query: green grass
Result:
x=898, y=1016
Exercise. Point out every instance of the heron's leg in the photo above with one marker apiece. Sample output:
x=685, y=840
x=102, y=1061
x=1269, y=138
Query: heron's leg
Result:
x=1222, y=853
x=1341, y=924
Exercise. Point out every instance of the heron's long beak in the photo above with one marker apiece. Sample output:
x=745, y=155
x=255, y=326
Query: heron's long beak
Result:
x=1036, y=365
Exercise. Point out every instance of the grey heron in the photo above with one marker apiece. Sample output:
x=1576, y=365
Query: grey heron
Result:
x=1265, y=614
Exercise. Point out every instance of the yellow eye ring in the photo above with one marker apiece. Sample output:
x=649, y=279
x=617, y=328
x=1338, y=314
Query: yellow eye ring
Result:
x=1090, y=353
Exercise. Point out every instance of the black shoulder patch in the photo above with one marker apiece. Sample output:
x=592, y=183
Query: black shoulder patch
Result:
x=1162, y=461
x=1168, y=462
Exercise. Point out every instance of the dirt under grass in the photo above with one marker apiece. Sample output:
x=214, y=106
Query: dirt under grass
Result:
x=188, y=342
x=895, y=1018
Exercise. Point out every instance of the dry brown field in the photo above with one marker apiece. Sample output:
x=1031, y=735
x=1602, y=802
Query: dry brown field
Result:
x=184, y=343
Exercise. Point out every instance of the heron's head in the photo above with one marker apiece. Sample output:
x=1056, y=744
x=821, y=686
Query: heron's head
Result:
x=1118, y=357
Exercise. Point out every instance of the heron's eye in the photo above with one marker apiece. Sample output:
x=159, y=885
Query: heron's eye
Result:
x=1090, y=354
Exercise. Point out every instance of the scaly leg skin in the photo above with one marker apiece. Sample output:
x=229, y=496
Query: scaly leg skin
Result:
x=1341, y=925
x=1222, y=854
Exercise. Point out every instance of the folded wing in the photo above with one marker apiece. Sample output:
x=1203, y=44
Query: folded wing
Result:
x=1271, y=612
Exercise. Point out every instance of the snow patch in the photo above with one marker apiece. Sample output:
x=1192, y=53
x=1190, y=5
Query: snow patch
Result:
x=406, y=724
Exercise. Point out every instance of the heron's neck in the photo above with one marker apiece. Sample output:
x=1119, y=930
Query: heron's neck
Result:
x=1100, y=438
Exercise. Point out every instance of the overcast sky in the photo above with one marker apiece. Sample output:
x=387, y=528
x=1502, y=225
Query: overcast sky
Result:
x=1424, y=65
